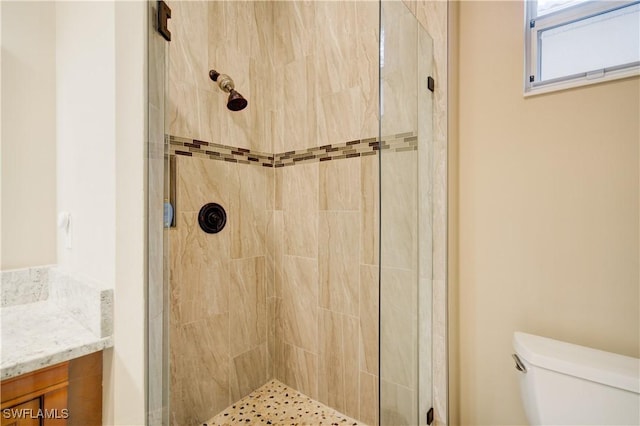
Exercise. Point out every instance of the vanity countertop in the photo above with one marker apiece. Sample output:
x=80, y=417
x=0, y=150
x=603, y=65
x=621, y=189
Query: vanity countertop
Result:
x=40, y=334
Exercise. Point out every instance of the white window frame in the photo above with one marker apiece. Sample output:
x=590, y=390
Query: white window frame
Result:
x=562, y=17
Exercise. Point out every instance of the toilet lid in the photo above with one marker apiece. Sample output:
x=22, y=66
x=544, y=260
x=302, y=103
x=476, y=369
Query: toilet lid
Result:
x=579, y=361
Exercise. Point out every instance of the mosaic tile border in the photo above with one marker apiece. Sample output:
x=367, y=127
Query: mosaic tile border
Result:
x=356, y=148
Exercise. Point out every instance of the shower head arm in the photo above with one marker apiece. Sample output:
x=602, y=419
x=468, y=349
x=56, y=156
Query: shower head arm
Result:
x=236, y=101
x=224, y=81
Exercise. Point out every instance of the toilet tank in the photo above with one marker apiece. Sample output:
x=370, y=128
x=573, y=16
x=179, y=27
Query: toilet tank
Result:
x=566, y=384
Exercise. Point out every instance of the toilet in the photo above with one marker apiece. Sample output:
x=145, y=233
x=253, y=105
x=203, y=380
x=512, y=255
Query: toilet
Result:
x=566, y=384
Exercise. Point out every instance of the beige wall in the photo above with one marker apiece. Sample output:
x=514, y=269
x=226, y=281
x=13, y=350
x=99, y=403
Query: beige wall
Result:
x=453, y=240
x=124, y=391
x=86, y=127
x=548, y=213
x=28, y=134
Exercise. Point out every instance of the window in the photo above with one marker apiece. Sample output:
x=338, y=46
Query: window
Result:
x=570, y=43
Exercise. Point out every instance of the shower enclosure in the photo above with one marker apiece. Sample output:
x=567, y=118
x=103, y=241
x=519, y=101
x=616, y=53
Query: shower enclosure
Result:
x=320, y=278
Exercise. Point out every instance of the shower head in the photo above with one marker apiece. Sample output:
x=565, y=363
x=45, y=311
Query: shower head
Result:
x=236, y=101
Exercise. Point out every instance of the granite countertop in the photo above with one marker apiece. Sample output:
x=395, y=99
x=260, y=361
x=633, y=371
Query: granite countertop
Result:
x=40, y=334
x=48, y=316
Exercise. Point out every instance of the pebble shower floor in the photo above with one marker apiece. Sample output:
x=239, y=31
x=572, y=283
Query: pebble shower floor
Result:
x=277, y=404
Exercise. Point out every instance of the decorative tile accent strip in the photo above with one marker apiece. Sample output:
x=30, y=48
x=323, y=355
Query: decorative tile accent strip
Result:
x=214, y=151
x=351, y=149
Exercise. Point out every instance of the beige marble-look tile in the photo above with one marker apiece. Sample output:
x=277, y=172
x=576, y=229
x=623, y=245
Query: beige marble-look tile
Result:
x=368, y=399
x=260, y=100
x=331, y=360
x=368, y=65
x=300, y=206
x=248, y=372
x=278, y=252
x=368, y=55
x=369, y=316
x=271, y=242
x=199, y=271
x=200, y=369
x=247, y=212
x=236, y=127
x=338, y=261
x=335, y=47
x=276, y=347
x=398, y=311
x=397, y=405
x=399, y=199
x=399, y=73
x=340, y=184
x=367, y=14
x=350, y=333
x=301, y=370
x=398, y=92
x=182, y=116
x=335, y=120
x=338, y=373
x=369, y=210
x=217, y=25
x=264, y=40
x=271, y=337
x=276, y=115
x=271, y=185
x=188, y=50
x=293, y=21
x=201, y=181
x=211, y=108
x=411, y=5
x=439, y=362
x=300, y=302
x=247, y=304
x=297, y=93
x=278, y=187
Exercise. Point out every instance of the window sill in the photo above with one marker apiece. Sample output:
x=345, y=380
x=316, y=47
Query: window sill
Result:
x=582, y=81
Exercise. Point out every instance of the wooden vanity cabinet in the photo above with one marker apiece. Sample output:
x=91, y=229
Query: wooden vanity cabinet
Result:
x=65, y=394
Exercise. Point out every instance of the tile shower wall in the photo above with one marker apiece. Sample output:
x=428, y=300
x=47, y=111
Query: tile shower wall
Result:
x=324, y=305
x=218, y=288
x=218, y=305
x=290, y=288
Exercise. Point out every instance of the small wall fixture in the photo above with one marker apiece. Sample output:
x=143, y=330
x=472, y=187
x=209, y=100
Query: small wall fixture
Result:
x=212, y=218
x=236, y=101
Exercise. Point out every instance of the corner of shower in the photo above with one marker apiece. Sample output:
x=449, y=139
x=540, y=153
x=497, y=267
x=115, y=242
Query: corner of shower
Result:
x=404, y=252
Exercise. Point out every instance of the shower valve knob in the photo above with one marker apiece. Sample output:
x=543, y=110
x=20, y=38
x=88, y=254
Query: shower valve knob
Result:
x=212, y=218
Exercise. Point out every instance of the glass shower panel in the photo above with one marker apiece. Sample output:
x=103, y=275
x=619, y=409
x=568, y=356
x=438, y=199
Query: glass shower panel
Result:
x=157, y=233
x=405, y=217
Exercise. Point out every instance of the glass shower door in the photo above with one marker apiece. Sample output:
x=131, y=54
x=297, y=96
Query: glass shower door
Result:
x=405, y=217
x=157, y=233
